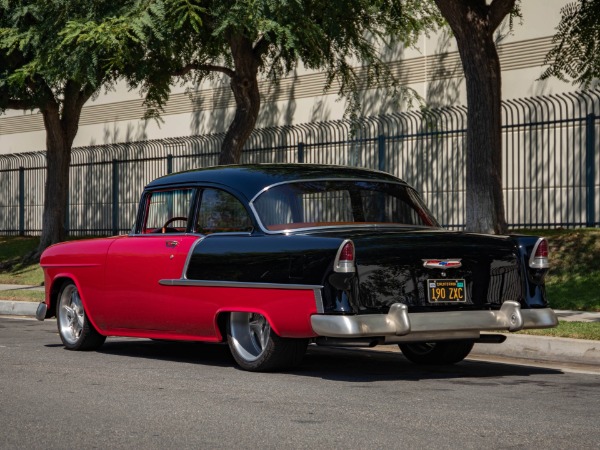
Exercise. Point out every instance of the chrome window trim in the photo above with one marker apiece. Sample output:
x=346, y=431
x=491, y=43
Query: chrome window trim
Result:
x=163, y=235
x=353, y=226
x=310, y=180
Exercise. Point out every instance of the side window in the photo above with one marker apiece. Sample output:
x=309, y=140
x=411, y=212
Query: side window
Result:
x=167, y=211
x=221, y=212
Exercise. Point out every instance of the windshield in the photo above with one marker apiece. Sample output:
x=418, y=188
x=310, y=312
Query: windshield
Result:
x=322, y=203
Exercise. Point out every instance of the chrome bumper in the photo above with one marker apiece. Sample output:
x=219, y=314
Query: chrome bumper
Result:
x=399, y=325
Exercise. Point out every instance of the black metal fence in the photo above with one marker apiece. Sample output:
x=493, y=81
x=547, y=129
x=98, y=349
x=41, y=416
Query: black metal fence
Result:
x=551, y=161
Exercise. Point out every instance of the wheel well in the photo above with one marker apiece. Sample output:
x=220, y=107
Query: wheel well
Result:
x=222, y=324
x=57, y=285
x=221, y=321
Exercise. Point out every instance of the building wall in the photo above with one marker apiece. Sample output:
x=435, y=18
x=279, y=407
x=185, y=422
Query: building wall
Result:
x=433, y=70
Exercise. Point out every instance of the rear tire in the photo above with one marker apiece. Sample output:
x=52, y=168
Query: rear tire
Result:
x=256, y=347
x=437, y=353
x=74, y=328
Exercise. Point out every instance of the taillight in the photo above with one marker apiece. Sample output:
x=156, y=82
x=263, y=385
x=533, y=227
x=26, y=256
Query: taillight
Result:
x=539, y=256
x=347, y=253
x=344, y=260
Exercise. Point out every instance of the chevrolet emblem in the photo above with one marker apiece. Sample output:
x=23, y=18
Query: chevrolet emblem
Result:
x=441, y=263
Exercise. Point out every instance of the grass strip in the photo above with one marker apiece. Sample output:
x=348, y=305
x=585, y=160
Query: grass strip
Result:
x=568, y=329
x=12, y=269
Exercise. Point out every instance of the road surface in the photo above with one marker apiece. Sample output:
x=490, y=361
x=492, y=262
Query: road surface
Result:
x=143, y=394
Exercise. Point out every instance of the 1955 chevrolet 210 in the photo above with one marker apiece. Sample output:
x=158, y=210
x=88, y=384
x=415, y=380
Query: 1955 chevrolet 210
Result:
x=273, y=257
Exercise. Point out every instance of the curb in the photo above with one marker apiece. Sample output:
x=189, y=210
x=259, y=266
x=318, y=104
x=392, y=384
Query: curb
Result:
x=8, y=307
x=544, y=348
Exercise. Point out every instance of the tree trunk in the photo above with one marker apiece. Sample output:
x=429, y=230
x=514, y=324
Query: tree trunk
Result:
x=473, y=24
x=60, y=133
x=58, y=156
x=244, y=84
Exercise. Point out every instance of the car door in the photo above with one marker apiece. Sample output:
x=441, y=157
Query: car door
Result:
x=135, y=299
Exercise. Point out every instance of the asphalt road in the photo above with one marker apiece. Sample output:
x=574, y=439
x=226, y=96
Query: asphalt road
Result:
x=144, y=394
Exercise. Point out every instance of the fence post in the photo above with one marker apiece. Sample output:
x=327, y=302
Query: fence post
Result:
x=381, y=152
x=590, y=169
x=115, y=197
x=68, y=217
x=300, y=152
x=21, y=201
x=169, y=164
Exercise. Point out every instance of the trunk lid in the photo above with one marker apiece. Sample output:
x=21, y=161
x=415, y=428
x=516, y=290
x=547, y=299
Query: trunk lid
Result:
x=391, y=268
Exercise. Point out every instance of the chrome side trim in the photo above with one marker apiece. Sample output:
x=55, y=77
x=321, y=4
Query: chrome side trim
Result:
x=433, y=325
x=189, y=256
x=237, y=284
x=319, y=301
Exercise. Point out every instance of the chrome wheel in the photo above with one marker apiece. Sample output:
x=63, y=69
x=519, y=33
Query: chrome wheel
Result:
x=74, y=328
x=71, y=316
x=250, y=334
x=255, y=346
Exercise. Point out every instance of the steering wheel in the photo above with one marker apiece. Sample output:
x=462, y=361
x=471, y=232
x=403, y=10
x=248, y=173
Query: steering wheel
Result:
x=170, y=221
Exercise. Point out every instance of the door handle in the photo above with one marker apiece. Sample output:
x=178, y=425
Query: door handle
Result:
x=171, y=244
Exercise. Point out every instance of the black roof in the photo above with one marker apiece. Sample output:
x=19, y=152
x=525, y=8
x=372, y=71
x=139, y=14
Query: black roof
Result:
x=249, y=180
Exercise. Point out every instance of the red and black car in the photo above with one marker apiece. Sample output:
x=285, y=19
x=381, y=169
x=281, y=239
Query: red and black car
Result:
x=274, y=257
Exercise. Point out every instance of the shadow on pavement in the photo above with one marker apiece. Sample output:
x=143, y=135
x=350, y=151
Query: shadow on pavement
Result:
x=347, y=365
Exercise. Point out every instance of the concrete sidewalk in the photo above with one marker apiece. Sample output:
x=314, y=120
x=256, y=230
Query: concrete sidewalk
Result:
x=542, y=348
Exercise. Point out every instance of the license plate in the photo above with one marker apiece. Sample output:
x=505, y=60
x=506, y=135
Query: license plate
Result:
x=446, y=291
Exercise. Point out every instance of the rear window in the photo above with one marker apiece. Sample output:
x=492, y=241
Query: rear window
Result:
x=337, y=203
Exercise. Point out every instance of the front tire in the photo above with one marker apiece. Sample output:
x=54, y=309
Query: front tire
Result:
x=437, y=353
x=256, y=347
x=75, y=330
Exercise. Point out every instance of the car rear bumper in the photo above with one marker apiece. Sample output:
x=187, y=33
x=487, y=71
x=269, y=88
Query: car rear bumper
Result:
x=398, y=325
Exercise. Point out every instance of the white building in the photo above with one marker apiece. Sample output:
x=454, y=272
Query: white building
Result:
x=433, y=70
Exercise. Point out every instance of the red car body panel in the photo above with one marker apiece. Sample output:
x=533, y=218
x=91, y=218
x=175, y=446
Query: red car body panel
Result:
x=119, y=283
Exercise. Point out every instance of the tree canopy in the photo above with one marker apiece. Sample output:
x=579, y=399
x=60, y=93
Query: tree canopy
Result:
x=37, y=74
x=57, y=54
x=245, y=40
x=34, y=69
x=576, y=53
